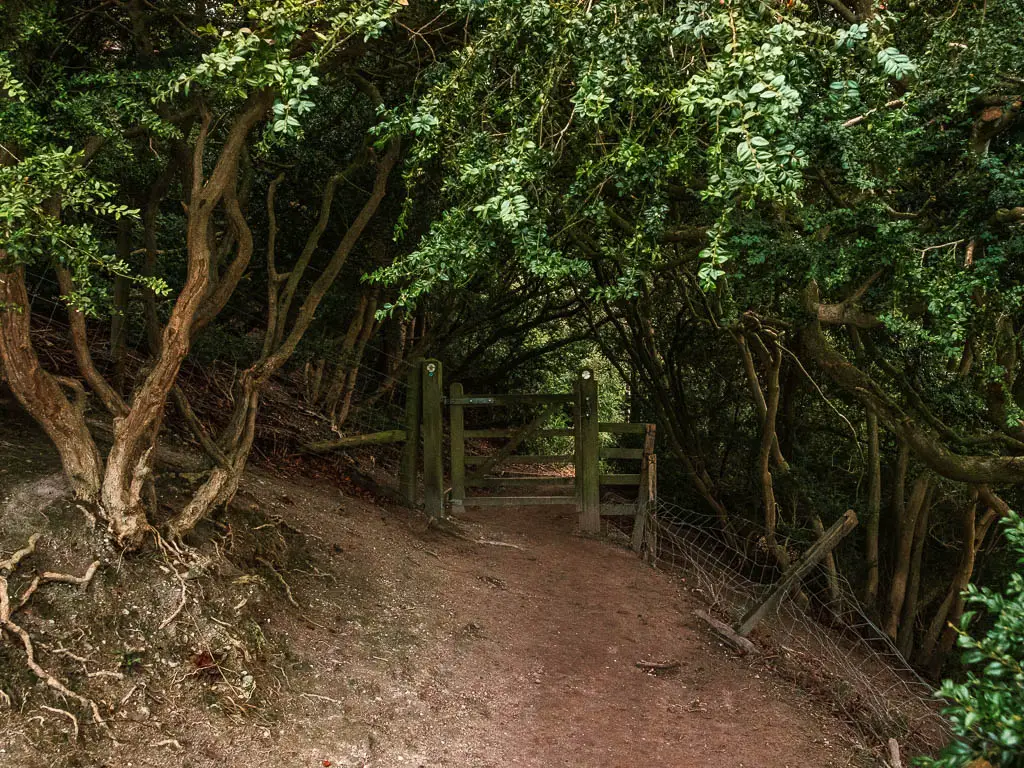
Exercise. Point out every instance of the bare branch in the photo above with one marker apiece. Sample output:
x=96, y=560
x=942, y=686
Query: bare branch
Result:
x=109, y=396
x=861, y=118
x=845, y=313
x=843, y=10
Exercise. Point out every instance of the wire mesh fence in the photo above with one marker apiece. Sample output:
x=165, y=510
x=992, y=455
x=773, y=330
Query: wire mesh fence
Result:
x=819, y=635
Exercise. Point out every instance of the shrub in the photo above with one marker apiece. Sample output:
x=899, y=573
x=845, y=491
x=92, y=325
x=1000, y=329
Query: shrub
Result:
x=987, y=709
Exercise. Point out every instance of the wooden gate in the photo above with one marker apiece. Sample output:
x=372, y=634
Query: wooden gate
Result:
x=471, y=473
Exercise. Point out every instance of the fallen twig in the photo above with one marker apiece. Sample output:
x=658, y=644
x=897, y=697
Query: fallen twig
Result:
x=324, y=698
x=65, y=652
x=724, y=631
x=658, y=666
x=132, y=690
x=106, y=673
x=420, y=548
x=66, y=578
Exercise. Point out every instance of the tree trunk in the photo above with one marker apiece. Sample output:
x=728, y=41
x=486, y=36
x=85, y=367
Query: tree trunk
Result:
x=129, y=463
x=919, y=498
x=39, y=392
x=980, y=469
x=83, y=357
x=760, y=404
x=336, y=387
x=768, y=440
x=236, y=442
x=369, y=326
x=961, y=578
x=119, y=317
x=874, y=510
x=312, y=379
x=905, y=635
x=934, y=654
x=396, y=343
x=222, y=484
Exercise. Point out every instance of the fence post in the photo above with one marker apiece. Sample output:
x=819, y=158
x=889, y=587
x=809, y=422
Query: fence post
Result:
x=577, y=431
x=411, y=449
x=433, y=434
x=457, y=426
x=587, y=456
x=648, y=484
x=810, y=558
x=652, y=511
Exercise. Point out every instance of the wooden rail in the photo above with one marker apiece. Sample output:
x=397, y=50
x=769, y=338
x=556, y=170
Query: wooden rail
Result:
x=541, y=480
x=622, y=429
x=810, y=558
x=352, y=441
x=554, y=458
x=511, y=432
x=621, y=479
x=476, y=400
x=518, y=501
x=613, y=452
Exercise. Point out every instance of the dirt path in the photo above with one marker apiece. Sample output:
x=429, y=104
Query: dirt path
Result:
x=545, y=674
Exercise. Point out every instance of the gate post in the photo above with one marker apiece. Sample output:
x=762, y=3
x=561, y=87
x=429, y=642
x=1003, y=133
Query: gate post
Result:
x=411, y=449
x=433, y=436
x=648, y=490
x=457, y=436
x=588, y=478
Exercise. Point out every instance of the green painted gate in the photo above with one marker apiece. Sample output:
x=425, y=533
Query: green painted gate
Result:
x=472, y=473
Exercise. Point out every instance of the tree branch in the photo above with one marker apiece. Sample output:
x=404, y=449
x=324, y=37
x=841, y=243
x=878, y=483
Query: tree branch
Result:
x=843, y=10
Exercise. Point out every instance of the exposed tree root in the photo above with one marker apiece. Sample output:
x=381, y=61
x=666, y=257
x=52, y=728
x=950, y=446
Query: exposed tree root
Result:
x=8, y=566
x=8, y=625
x=59, y=578
x=68, y=715
x=280, y=578
x=181, y=602
x=491, y=543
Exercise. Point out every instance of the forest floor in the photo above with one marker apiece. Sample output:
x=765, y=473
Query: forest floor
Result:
x=405, y=645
